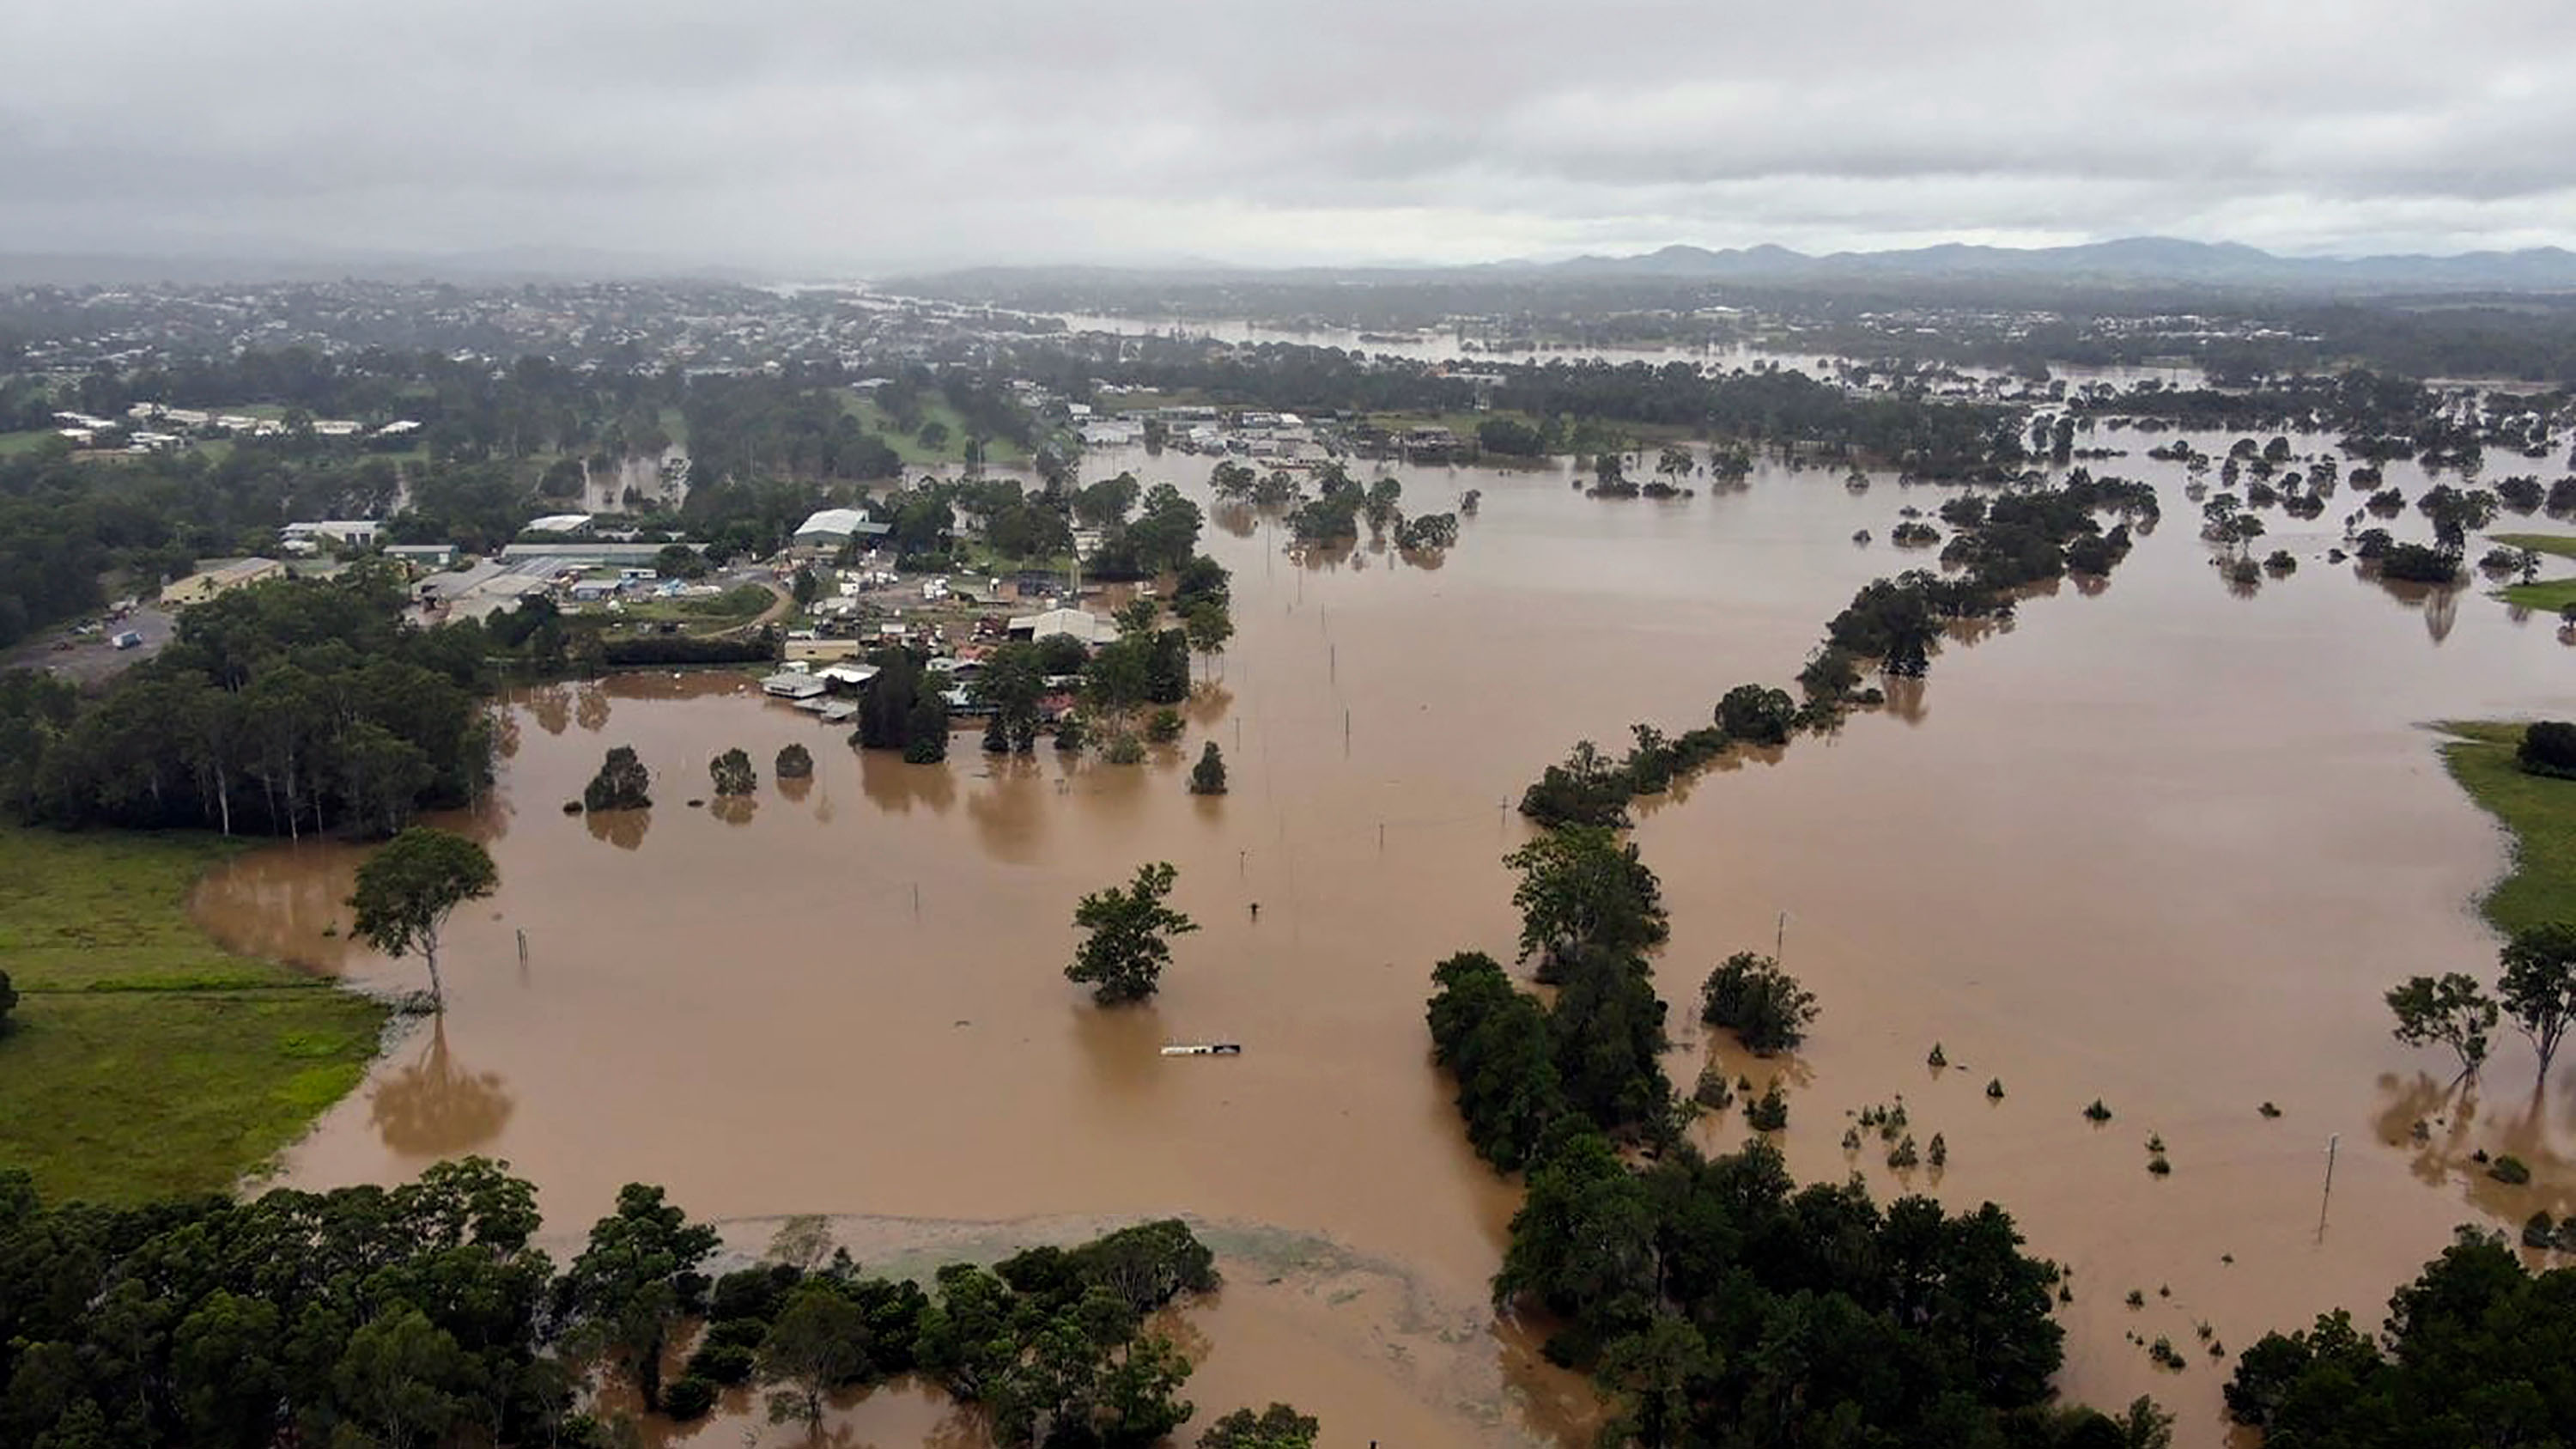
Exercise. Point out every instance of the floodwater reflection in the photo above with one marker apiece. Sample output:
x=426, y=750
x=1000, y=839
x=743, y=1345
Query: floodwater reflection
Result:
x=432, y=1107
x=621, y=828
x=897, y=788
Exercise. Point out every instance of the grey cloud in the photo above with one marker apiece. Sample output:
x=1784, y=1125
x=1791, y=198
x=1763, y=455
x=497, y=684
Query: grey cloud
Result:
x=788, y=134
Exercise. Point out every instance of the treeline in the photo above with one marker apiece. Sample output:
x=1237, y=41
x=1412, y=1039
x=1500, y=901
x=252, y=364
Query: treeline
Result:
x=423, y=1315
x=1719, y=1302
x=1763, y=405
x=2476, y=1350
x=281, y=708
x=2014, y=539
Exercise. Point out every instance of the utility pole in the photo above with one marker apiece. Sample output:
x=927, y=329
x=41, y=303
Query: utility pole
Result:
x=2332, y=1140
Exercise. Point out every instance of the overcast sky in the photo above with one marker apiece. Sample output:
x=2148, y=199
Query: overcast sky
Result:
x=815, y=137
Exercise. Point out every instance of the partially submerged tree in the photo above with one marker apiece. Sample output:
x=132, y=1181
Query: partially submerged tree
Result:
x=795, y=762
x=2538, y=990
x=819, y=1341
x=1583, y=886
x=407, y=890
x=2450, y=1011
x=733, y=774
x=1277, y=1427
x=1123, y=958
x=1764, y=1006
x=623, y=783
x=1207, y=777
x=634, y=1281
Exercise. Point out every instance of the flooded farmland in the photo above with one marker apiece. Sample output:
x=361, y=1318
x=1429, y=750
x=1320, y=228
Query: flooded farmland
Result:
x=2158, y=842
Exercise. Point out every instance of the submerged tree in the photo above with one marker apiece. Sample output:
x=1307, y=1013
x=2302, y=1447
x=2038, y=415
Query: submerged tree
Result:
x=1764, y=1006
x=818, y=1342
x=1583, y=886
x=1122, y=960
x=2451, y=1011
x=634, y=1281
x=733, y=774
x=407, y=890
x=623, y=783
x=795, y=762
x=1207, y=777
x=1277, y=1427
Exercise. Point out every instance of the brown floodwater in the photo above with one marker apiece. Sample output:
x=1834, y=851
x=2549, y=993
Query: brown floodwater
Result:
x=2160, y=841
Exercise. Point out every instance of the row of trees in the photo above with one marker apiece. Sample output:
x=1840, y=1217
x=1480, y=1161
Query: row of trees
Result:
x=424, y=1315
x=284, y=707
x=2014, y=539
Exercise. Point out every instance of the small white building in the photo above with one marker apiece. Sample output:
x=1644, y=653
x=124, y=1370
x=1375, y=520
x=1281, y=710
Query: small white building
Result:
x=559, y=523
x=354, y=532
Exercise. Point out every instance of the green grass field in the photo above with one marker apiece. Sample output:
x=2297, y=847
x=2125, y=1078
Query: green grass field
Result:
x=2538, y=810
x=2561, y=544
x=143, y=1059
x=12, y=444
x=2549, y=595
x=908, y=446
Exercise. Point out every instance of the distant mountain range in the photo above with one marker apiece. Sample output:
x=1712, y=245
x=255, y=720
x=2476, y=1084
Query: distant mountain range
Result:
x=2128, y=260
x=2131, y=262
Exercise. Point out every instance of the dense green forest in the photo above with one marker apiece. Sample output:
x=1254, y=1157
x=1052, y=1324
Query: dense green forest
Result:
x=287, y=707
x=2477, y=1350
x=425, y=1315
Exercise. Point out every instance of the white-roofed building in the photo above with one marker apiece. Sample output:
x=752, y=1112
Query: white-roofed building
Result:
x=834, y=527
x=1072, y=623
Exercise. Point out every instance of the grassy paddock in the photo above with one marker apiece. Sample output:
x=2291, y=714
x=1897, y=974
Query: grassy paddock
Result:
x=908, y=446
x=144, y=1059
x=2539, y=812
x=2561, y=544
x=2549, y=595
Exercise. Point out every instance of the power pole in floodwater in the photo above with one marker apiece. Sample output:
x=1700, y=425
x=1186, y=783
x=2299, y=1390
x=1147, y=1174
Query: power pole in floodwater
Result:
x=1780, y=939
x=2332, y=1140
x=916, y=900
x=523, y=945
x=1346, y=734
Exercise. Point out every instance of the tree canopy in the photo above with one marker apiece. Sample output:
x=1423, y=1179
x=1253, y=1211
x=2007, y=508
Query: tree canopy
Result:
x=1129, y=944
x=411, y=885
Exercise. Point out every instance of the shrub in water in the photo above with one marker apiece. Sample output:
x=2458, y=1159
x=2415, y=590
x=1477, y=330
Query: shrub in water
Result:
x=688, y=1399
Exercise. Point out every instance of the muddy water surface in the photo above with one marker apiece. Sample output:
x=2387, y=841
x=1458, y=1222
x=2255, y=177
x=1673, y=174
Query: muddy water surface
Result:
x=2155, y=842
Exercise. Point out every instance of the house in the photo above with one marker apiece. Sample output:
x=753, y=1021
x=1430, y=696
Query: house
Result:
x=822, y=649
x=198, y=587
x=793, y=686
x=847, y=677
x=831, y=528
x=1072, y=623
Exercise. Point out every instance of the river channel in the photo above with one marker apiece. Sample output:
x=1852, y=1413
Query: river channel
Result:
x=2160, y=842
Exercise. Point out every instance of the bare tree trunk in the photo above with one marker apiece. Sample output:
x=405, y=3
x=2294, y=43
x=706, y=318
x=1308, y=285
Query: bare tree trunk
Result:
x=437, y=992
